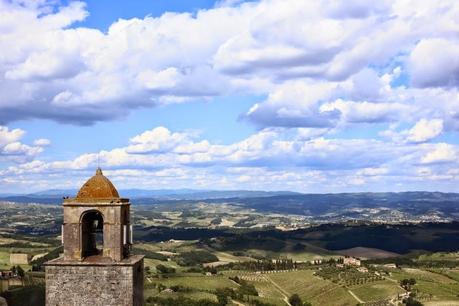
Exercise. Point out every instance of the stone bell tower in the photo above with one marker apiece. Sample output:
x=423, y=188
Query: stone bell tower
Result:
x=97, y=267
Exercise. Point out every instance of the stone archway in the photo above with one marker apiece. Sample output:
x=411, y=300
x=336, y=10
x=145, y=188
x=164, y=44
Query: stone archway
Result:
x=92, y=233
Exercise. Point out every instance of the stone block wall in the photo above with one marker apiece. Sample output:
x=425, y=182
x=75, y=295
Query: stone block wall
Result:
x=94, y=285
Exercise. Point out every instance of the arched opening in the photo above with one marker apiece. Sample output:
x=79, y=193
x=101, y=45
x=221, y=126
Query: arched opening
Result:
x=92, y=233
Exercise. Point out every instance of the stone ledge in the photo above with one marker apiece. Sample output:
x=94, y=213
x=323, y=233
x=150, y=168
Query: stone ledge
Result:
x=130, y=261
x=86, y=202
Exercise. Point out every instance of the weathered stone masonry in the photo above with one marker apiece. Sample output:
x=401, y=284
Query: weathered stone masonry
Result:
x=97, y=285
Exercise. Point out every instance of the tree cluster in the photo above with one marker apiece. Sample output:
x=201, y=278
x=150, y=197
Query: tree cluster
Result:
x=265, y=265
x=295, y=300
x=407, y=283
x=410, y=301
x=18, y=270
x=164, y=269
x=37, y=265
x=197, y=257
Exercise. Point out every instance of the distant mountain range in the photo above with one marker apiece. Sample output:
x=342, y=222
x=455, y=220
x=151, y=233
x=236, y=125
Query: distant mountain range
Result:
x=415, y=203
x=383, y=206
x=54, y=196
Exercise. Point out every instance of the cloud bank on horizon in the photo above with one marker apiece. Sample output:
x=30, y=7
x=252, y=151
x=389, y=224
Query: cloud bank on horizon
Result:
x=354, y=95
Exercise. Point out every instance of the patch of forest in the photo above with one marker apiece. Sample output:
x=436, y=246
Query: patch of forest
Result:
x=402, y=239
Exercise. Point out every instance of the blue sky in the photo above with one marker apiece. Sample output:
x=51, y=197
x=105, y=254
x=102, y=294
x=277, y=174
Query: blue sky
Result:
x=216, y=120
x=266, y=95
x=102, y=13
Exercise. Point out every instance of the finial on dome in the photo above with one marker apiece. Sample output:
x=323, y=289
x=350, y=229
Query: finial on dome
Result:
x=99, y=171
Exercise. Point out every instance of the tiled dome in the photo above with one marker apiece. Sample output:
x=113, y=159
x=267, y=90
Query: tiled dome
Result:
x=97, y=187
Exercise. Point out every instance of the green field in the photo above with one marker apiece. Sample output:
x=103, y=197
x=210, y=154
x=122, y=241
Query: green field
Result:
x=329, y=287
x=276, y=287
x=432, y=286
x=195, y=286
x=5, y=256
x=4, y=259
x=311, y=288
x=451, y=273
x=196, y=281
x=376, y=291
x=268, y=292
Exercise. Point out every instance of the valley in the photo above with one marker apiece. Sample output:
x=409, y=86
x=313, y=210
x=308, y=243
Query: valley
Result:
x=206, y=253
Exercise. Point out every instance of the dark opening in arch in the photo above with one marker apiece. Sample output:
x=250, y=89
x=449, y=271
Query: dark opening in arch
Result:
x=92, y=233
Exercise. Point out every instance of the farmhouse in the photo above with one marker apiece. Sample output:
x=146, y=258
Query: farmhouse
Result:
x=20, y=259
x=390, y=266
x=351, y=261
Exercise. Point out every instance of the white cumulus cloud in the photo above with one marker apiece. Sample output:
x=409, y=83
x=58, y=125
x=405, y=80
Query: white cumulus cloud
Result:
x=68, y=73
x=425, y=130
x=442, y=152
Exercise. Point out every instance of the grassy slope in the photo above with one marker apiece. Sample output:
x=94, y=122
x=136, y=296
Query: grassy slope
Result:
x=312, y=288
x=376, y=290
x=442, y=288
x=197, y=281
x=362, y=252
x=201, y=286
